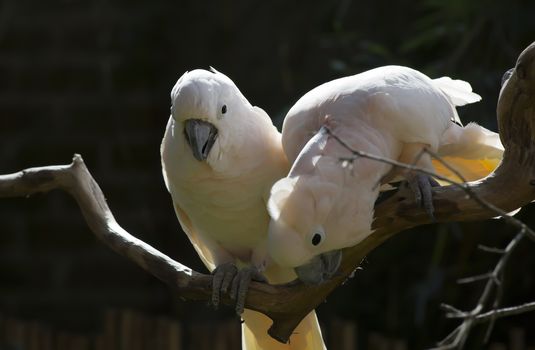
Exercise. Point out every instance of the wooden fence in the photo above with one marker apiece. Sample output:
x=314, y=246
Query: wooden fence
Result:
x=122, y=330
x=129, y=330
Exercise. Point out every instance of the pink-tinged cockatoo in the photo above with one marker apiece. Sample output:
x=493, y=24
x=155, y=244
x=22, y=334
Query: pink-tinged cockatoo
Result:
x=220, y=157
x=393, y=112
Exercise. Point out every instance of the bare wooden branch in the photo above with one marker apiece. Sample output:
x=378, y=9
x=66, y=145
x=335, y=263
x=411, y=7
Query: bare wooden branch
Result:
x=504, y=312
x=509, y=187
x=490, y=249
x=457, y=338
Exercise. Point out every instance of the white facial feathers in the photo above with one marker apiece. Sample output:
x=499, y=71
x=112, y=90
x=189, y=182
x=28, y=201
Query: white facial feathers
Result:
x=208, y=95
x=280, y=192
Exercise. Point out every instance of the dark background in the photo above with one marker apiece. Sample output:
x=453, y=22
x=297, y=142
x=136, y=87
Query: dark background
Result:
x=94, y=77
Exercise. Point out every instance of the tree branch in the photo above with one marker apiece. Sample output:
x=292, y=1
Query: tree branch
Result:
x=457, y=338
x=287, y=304
x=504, y=312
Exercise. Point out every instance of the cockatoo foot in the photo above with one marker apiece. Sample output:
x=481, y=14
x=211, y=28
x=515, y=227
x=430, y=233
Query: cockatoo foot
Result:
x=240, y=286
x=223, y=276
x=421, y=185
x=227, y=275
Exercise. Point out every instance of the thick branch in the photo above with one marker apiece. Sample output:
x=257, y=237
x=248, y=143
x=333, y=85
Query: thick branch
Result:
x=509, y=187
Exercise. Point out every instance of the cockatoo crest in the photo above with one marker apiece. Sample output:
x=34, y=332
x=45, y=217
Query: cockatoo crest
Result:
x=303, y=209
x=203, y=93
x=280, y=192
x=302, y=199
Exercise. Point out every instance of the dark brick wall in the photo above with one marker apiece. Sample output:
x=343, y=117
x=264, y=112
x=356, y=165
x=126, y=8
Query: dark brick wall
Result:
x=94, y=76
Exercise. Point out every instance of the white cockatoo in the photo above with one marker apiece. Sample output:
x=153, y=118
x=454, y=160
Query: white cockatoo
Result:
x=393, y=112
x=220, y=157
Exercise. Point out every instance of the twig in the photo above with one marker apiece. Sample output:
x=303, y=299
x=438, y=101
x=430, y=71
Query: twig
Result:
x=490, y=249
x=493, y=280
x=504, y=312
x=472, y=279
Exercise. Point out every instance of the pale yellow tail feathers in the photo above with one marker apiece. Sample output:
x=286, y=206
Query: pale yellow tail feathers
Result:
x=470, y=169
x=471, y=150
x=254, y=333
x=307, y=336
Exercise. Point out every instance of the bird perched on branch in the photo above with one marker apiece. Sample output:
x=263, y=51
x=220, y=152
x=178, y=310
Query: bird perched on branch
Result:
x=220, y=157
x=392, y=112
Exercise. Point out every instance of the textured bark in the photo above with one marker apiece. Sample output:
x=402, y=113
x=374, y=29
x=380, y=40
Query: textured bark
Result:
x=512, y=185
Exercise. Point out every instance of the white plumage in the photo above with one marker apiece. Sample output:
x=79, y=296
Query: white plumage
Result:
x=220, y=191
x=391, y=111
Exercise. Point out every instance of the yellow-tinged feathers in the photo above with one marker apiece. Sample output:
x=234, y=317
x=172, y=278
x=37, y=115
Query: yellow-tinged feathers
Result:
x=470, y=169
x=472, y=150
x=305, y=336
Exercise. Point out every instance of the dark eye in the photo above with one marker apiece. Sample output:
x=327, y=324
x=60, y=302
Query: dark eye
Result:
x=224, y=109
x=316, y=239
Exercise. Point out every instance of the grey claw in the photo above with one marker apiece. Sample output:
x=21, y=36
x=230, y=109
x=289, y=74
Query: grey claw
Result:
x=223, y=274
x=240, y=286
x=239, y=290
x=227, y=280
x=413, y=184
x=421, y=185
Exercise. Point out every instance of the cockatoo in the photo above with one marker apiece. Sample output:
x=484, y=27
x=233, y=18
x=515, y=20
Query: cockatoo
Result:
x=393, y=112
x=220, y=157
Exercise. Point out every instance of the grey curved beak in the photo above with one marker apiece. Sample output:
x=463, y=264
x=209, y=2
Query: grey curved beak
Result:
x=200, y=136
x=321, y=268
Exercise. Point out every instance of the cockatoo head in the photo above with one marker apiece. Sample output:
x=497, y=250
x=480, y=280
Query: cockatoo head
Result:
x=307, y=228
x=206, y=107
